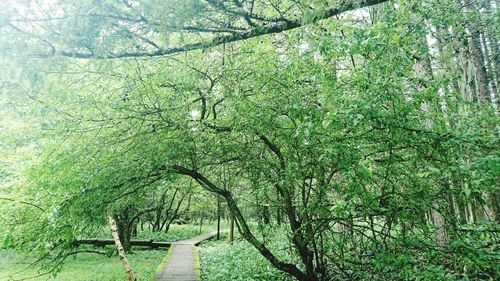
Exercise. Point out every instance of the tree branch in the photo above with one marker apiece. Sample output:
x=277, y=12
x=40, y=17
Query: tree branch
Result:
x=269, y=28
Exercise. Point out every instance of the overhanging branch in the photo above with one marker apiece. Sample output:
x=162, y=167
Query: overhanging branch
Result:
x=269, y=28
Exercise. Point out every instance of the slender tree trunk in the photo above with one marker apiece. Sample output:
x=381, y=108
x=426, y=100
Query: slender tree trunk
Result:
x=124, y=228
x=119, y=247
x=472, y=213
x=490, y=71
x=462, y=208
x=477, y=54
x=481, y=75
x=441, y=235
x=265, y=214
x=494, y=200
x=201, y=221
x=423, y=70
x=231, y=230
x=493, y=47
x=218, y=217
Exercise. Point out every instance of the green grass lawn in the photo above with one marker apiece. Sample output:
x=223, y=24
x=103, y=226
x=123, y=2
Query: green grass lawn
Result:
x=83, y=267
x=14, y=265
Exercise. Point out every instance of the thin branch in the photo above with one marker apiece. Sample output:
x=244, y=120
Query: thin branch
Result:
x=270, y=28
x=23, y=202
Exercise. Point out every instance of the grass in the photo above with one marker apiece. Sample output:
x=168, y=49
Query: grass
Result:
x=93, y=267
x=83, y=267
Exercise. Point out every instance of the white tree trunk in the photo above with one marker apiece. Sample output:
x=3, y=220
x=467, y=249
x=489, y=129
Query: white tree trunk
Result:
x=119, y=247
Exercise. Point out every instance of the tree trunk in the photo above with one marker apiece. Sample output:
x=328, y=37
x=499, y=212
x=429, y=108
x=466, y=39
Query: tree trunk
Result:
x=201, y=221
x=119, y=247
x=494, y=201
x=441, y=235
x=423, y=70
x=231, y=230
x=124, y=229
x=478, y=56
x=490, y=71
x=493, y=47
x=481, y=76
x=462, y=209
x=218, y=217
x=265, y=214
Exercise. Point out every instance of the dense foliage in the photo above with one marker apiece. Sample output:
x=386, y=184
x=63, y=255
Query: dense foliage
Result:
x=366, y=134
x=223, y=261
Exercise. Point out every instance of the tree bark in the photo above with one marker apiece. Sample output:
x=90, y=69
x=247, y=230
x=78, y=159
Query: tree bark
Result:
x=218, y=217
x=231, y=230
x=493, y=46
x=119, y=247
x=441, y=234
x=265, y=214
x=125, y=227
x=477, y=55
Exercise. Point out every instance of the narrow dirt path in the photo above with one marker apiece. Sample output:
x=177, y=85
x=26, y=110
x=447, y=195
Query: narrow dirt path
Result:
x=182, y=261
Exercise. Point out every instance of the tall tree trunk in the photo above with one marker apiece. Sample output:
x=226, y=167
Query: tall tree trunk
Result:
x=265, y=214
x=477, y=53
x=125, y=228
x=119, y=247
x=441, y=234
x=218, y=216
x=481, y=75
x=423, y=70
x=494, y=201
x=201, y=221
x=492, y=43
x=231, y=229
x=490, y=71
x=462, y=209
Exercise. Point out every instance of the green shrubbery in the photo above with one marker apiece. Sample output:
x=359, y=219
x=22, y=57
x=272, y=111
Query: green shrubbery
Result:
x=221, y=260
x=176, y=232
x=240, y=261
x=397, y=260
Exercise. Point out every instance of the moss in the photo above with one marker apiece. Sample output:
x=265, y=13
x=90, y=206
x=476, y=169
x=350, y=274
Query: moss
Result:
x=197, y=265
x=163, y=262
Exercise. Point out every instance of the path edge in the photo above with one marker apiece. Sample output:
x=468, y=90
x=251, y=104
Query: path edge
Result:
x=163, y=262
x=197, y=264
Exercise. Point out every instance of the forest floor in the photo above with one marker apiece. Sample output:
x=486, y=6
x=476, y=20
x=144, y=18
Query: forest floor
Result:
x=15, y=265
x=240, y=261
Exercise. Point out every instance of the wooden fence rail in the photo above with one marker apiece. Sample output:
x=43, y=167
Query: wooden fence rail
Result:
x=143, y=243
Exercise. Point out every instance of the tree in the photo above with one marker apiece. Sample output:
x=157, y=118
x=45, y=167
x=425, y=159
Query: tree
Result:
x=130, y=29
x=328, y=122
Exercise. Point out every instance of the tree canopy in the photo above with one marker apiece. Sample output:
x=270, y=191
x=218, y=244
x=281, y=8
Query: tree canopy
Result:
x=368, y=128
